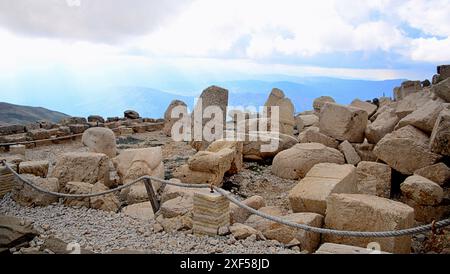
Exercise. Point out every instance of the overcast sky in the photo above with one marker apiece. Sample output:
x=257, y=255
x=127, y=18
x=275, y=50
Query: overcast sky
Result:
x=382, y=39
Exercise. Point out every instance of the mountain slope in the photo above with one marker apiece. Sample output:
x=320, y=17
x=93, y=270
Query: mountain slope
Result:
x=16, y=114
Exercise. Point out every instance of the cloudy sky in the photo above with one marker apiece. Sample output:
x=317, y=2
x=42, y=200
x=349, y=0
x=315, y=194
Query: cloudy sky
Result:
x=132, y=40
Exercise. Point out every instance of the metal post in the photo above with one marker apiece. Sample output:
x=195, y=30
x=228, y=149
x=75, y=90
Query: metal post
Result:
x=151, y=195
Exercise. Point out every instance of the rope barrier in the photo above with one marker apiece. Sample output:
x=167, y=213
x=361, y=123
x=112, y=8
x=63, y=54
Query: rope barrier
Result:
x=227, y=195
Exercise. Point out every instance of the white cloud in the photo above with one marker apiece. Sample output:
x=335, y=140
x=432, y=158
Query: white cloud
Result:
x=93, y=20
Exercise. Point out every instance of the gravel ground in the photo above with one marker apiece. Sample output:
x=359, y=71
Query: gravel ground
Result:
x=104, y=232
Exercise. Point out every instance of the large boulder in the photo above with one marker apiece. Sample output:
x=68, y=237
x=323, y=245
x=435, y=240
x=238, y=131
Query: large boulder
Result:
x=374, y=179
x=176, y=207
x=412, y=102
x=242, y=232
x=95, y=119
x=313, y=135
x=424, y=117
x=295, y=162
x=132, y=164
x=358, y=212
x=209, y=167
x=406, y=150
x=169, y=120
x=100, y=140
x=438, y=173
x=368, y=107
x=308, y=120
x=422, y=190
x=211, y=97
x=319, y=102
x=407, y=88
x=39, y=134
x=37, y=168
x=440, y=136
x=383, y=124
x=307, y=241
x=442, y=90
x=77, y=188
x=85, y=167
x=239, y=214
x=15, y=231
x=425, y=213
x=343, y=123
x=131, y=114
x=108, y=202
x=24, y=195
x=142, y=211
x=311, y=193
x=286, y=110
x=350, y=154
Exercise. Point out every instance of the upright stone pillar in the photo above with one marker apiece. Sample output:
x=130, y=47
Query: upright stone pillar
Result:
x=211, y=212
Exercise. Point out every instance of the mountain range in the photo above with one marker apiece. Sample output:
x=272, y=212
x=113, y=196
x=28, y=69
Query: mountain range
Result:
x=16, y=114
x=149, y=102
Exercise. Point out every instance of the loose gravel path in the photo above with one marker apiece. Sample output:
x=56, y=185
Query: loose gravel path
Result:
x=104, y=232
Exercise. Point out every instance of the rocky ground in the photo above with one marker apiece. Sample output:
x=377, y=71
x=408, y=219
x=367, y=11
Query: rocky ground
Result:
x=104, y=232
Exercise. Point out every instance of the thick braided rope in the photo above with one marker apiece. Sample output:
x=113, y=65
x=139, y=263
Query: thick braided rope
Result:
x=227, y=195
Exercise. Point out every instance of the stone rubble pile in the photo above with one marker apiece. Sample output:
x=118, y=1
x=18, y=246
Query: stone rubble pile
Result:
x=368, y=166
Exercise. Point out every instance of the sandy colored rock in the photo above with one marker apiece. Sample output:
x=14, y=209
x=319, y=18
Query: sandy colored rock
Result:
x=406, y=150
x=427, y=214
x=17, y=149
x=358, y=212
x=242, y=232
x=211, y=212
x=169, y=121
x=27, y=196
x=262, y=224
x=285, y=234
x=368, y=107
x=39, y=134
x=100, y=140
x=442, y=90
x=407, y=88
x=374, y=179
x=295, y=162
x=440, y=136
x=286, y=110
x=422, y=190
x=438, y=173
x=108, y=202
x=343, y=123
x=383, y=124
x=350, y=154
x=365, y=151
x=37, y=168
x=424, y=118
x=240, y=215
x=77, y=188
x=412, y=102
x=309, y=120
x=176, y=207
x=311, y=193
x=142, y=211
x=319, y=102
x=212, y=96
x=313, y=135
x=85, y=167
x=210, y=166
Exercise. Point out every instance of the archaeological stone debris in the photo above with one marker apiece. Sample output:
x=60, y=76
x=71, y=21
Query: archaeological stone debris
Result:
x=371, y=165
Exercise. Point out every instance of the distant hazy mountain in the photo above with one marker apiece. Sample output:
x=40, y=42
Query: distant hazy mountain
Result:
x=150, y=102
x=15, y=114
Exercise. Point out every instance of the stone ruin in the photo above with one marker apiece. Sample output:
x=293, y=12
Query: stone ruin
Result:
x=363, y=167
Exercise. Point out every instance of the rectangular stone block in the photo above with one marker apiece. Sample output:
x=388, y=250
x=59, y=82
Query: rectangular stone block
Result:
x=311, y=193
x=358, y=212
x=211, y=212
x=17, y=149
